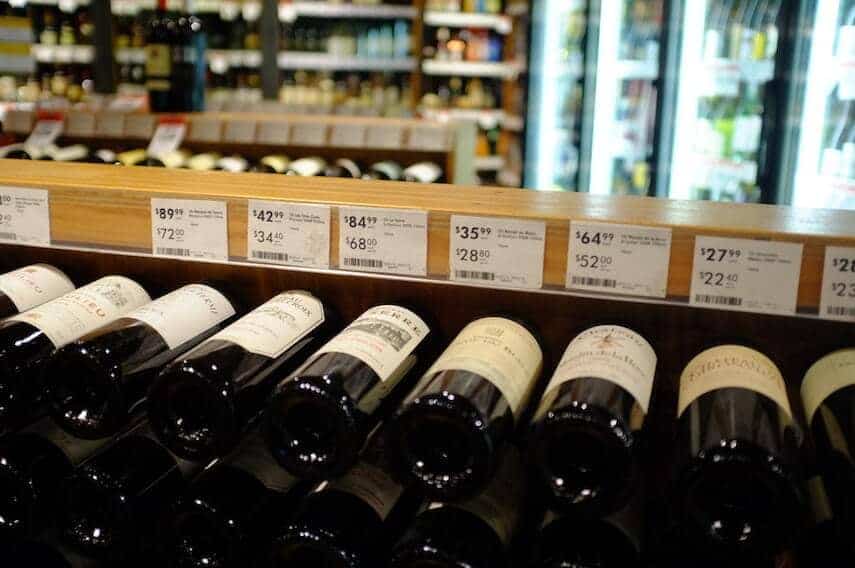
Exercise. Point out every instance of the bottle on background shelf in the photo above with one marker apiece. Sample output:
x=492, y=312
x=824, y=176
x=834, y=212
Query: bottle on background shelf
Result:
x=132, y=157
x=98, y=381
x=306, y=167
x=386, y=170
x=175, y=159
x=203, y=162
x=273, y=164
x=423, y=172
x=343, y=168
x=234, y=164
x=31, y=286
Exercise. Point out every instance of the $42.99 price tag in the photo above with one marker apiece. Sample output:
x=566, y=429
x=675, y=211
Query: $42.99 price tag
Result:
x=189, y=228
x=383, y=240
x=838, y=284
x=24, y=216
x=289, y=233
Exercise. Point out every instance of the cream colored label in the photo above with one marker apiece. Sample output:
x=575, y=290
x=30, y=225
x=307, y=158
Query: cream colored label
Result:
x=825, y=377
x=185, y=313
x=277, y=325
x=383, y=338
x=612, y=353
x=732, y=366
x=34, y=285
x=75, y=314
x=253, y=457
x=500, y=350
x=372, y=485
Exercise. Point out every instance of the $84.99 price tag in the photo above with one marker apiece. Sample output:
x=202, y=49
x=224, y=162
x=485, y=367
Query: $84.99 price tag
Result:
x=383, y=240
x=189, y=228
x=24, y=216
x=838, y=284
x=289, y=233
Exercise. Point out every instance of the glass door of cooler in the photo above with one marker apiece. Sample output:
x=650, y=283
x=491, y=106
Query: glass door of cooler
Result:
x=724, y=115
x=557, y=64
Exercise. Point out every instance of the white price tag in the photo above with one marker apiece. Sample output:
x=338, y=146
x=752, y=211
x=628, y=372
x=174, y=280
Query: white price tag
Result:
x=308, y=134
x=619, y=259
x=239, y=132
x=288, y=233
x=44, y=133
x=348, y=135
x=746, y=275
x=384, y=136
x=189, y=228
x=383, y=240
x=838, y=284
x=167, y=138
x=24, y=216
x=501, y=252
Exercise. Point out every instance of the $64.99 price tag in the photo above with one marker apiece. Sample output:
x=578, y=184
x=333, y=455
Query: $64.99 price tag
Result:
x=838, y=284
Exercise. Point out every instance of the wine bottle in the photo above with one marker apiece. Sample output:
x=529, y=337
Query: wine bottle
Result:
x=132, y=157
x=73, y=153
x=447, y=435
x=271, y=165
x=175, y=61
x=112, y=502
x=229, y=514
x=14, y=151
x=31, y=286
x=33, y=463
x=201, y=403
x=423, y=172
x=203, y=162
x=825, y=543
x=42, y=552
x=343, y=168
x=475, y=533
x=28, y=339
x=318, y=418
x=737, y=484
x=105, y=156
x=386, y=170
x=174, y=159
x=160, y=42
x=98, y=381
x=234, y=164
x=585, y=435
x=306, y=167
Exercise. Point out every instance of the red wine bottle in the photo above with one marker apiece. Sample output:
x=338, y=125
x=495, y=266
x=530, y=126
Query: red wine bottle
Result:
x=203, y=402
x=446, y=437
x=28, y=339
x=31, y=286
x=98, y=381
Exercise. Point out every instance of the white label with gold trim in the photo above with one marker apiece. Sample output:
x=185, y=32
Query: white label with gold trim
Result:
x=34, y=285
x=825, y=377
x=24, y=216
x=500, y=350
x=732, y=366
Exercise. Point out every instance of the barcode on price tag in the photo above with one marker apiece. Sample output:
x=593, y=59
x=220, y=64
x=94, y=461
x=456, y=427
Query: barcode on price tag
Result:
x=746, y=275
x=838, y=284
x=189, y=228
x=619, y=259
x=45, y=133
x=24, y=216
x=383, y=240
x=498, y=252
x=167, y=137
x=288, y=233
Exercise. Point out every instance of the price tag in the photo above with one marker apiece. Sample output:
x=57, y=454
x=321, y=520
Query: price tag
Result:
x=239, y=132
x=501, y=252
x=838, y=284
x=189, y=228
x=274, y=133
x=44, y=133
x=384, y=136
x=167, y=137
x=24, y=216
x=619, y=259
x=288, y=233
x=308, y=134
x=348, y=135
x=746, y=275
x=432, y=138
x=383, y=240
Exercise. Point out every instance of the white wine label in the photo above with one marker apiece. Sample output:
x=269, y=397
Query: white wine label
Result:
x=497, y=252
x=290, y=234
x=277, y=325
x=253, y=457
x=75, y=314
x=383, y=240
x=44, y=134
x=185, y=313
x=619, y=259
x=838, y=284
x=500, y=350
x=612, y=353
x=383, y=338
x=372, y=485
x=34, y=285
x=746, y=275
x=75, y=449
x=825, y=377
x=167, y=137
x=24, y=216
x=732, y=366
x=190, y=229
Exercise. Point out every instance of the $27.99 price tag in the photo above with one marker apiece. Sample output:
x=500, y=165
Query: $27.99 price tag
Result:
x=24, y=216
x=289, y=233
x=383, y=240
x=189, y=228
x=838, y=284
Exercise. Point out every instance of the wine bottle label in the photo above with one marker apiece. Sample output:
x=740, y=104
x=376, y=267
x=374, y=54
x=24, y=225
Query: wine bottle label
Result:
x=253, y=457
x=34, y=285
x=277, y=163
x=75, y=314
x=825, y=377
x=425, y=172
x=612, y=353
x=370, y=484
x=500, y=350
x=185, y=313
x=732, y=366
x=106, y=156
x=203, y=162
x=132, y=157
x=390, y=169
x=75, y=449
x=158, y=63
x=383, y=338
x=277, y=325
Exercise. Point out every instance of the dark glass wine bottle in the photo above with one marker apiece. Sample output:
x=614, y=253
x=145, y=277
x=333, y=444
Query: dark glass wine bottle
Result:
x=161, y=39
x=476, y=533
x=319, y=417
x=826, y=542
x=98, y=381
x=229, y=514
x=449, y=432
x=202, y=403
x=737, y=486
x=343, y=168
x=306, y=167
x=386, y=170
x=28, y=339
x=583, y=542
x=31, y=286
x=41, y=553
x=585, y=436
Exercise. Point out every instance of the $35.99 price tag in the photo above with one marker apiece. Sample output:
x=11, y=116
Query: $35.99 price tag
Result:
x=383, y=240
x=838, y=284
x=24, y=216
x=189, y=228
x=746, y=275
x=500, y=252
x=289, y=233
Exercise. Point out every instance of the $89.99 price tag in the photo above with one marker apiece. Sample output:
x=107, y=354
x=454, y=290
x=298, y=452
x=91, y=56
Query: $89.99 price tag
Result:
x=289, y=233
x=383, y=240
x=189, y=228
x=838, y=284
